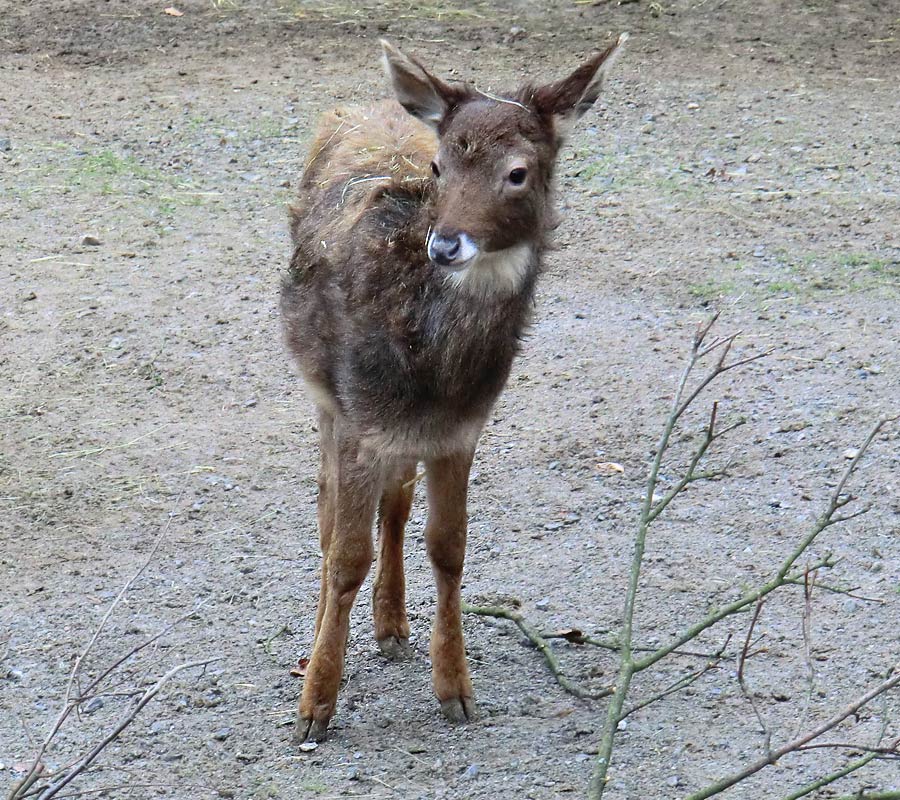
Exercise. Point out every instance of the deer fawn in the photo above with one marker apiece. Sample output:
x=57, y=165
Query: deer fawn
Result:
x=418, y=240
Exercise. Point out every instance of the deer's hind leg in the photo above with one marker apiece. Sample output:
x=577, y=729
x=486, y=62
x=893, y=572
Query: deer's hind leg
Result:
x=354, y=492
x=389, y=591
x=325, y=503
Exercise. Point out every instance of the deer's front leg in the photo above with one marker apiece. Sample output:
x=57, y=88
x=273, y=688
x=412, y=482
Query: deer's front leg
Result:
x=445, y=540
x=348, y=560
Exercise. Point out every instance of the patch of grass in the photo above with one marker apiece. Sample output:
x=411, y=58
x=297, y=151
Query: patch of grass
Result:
x=870, y=263
x=782, y=287
x=316, y=787
x=343, y=12
x=106, y=171
x=711, y=289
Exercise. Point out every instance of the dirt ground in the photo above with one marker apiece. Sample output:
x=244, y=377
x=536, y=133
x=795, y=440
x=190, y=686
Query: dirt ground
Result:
x=744, y=157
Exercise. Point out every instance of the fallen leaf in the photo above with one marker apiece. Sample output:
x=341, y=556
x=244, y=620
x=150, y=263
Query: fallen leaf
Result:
x=22, y=767
x=569, y=634
x=173, y=12
x=610, y=467
x=299, y=671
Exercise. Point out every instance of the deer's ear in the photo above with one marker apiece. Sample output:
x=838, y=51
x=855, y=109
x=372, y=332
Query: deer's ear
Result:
x=568, y=99
x=418, y=91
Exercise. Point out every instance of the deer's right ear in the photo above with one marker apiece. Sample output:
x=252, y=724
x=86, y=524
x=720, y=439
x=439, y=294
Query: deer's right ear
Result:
x=422, y=94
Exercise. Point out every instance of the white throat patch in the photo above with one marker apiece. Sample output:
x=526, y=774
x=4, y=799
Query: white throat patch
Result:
x=498, y=272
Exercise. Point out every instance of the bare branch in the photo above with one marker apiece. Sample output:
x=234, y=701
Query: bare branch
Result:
x=681, y=683
x=68, y=704
x=650, y=511
x=892, y=794
x=890, y=752
x=798, y=743
x=809, y=583
x=534, y=636
x=851, y=592
x=83, y=763
x=577, y=637
x=853, y=766
x=745, y=690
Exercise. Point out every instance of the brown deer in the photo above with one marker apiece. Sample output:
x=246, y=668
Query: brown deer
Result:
x=418, y=240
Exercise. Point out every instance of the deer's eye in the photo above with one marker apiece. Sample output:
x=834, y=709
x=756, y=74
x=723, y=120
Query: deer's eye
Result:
x=435, y=170
x=517, y=176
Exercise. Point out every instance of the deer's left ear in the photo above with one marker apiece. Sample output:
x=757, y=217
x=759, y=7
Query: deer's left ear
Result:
x=568, y=99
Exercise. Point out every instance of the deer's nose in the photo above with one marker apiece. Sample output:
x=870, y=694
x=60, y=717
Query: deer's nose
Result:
x=444, y=250
x=453, y=250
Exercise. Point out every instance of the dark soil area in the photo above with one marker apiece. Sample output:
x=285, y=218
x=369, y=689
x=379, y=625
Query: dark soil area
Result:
x=744, y=158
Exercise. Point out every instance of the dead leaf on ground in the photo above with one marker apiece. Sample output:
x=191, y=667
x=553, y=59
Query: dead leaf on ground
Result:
x=21, y=767
x=569, y=634
x=299, y=671
x=610, y=468
x=173, y=12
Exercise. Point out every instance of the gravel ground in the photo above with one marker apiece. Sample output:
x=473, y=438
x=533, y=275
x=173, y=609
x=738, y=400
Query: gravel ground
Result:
x=743, y=158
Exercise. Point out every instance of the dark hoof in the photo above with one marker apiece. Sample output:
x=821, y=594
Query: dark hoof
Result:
x=395, y=648
x=310, y=732
x=458, y=709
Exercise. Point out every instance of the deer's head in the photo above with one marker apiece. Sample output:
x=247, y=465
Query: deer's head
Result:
x=495, y=161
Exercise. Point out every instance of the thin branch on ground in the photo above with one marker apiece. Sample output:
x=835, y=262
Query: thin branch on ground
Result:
x=796, y=745
x=809, y=583
x=650, y=511
x=679, y=685
x=825, y=780
x=68, y=706
x=534, y=636
x=132, y=786
x=577, y=637
x=742, y=679
x=851, y=592
x=74, y=695
x=125, y=720
x=890, y=752
x=786, y=573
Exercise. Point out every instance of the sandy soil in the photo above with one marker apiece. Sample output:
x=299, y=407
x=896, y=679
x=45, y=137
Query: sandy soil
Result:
x=744, y=158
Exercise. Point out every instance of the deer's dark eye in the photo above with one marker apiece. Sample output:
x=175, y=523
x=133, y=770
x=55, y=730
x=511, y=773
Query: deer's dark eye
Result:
x=517, y=176
x=435, y=170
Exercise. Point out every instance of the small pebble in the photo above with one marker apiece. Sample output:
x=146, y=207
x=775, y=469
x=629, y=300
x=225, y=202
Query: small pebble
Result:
x=222, y=734
x=93, y=705
x=471, y=772
x=91, y=241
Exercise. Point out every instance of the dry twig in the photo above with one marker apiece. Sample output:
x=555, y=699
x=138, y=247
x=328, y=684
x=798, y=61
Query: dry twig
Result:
x=786, y=574
x=534, y=636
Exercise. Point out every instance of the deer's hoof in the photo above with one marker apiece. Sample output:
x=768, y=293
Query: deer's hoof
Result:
x=459, y=709
x=395, y=647
x=310, y=731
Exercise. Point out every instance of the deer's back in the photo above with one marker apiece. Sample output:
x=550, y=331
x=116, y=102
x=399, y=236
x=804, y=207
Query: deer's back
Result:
x=382, y=337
